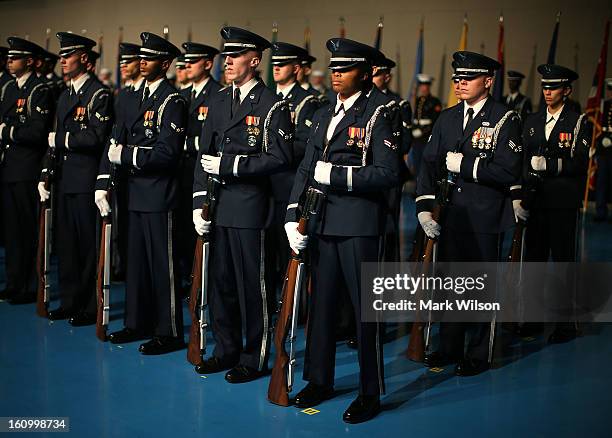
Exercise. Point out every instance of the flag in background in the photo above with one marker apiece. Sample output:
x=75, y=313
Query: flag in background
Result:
x=307, y=38
x=118, y=72
x=593, y=109
x=532, y=74
x=552, y=49
x=379, y=31
x=101, y=49
x=166, y=32
x=189, y=33
x=452, y=99
x=217, y=70
x=442, y=75
x=498, y=84
x=552, y=52
x=47, y=38
x=418, y=64
x=342, y=32
x=398, y=71
x=270, y=81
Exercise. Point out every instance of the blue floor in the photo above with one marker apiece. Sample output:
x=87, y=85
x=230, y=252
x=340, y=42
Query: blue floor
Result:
x=52, y=369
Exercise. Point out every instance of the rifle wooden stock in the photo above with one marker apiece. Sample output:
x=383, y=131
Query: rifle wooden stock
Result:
x=103, y=258
x=281, y=380
x=416, y=344
x=194, y=355
x=196, y=348
x=42, y=308
x=44, y=239
x=516, y=250
x=278, y=390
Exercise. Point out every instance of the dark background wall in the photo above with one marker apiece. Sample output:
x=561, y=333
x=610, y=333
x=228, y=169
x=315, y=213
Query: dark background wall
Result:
x=528, y=26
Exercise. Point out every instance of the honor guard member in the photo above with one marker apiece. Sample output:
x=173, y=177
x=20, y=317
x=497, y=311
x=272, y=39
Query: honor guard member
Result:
x=83, y=121
x=401, y=117
x=603, y=188
x=286, y=59
x=303, y=76
x=26, y=111
x=129, y=67
x=199, y=60
x=91, y=64
x=47, y=72
x=352, y=156
x=148, y=144
x=556, y=143
x=4, y=75
x=478, y=142
x=317, y=80
x=515, y=100
x=182, y=80
x=426, y=112
x=246, y=138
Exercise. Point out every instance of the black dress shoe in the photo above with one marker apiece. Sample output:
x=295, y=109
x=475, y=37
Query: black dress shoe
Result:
x=352, y=343
x=243, y=374
x=312, y=395
x=82, y=319
x=162, y=345
x=23, y=298
x=438, y=360
x=471, y=367
x=363, y=408
x=6, y=294
x=59, y=313
x=562, y=336
x=214, y=365
x=126, y=335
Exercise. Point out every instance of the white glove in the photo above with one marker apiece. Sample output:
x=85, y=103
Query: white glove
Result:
x=102, y=202
x=201, y=226
x=593, y=151
x=538, y=163
x=114, y=153
x=2, y=126
x=211, y=164
x=322, y=173
x=51, y=139
x=519, y=211
x=429, y=225
x=297, y=241
x=453, y=161
x=42, y=192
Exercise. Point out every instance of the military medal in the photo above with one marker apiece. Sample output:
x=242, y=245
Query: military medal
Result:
x=149, y=133
x=20, y=105
x=356, y=134
x=148, y=120
x=252, y=123
x=202, y=113
x=564, y=139
x=79, y=114
x=475, y=138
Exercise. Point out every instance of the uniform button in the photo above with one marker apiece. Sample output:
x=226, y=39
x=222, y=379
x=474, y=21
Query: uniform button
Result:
x=65, y=157
x=228, y=140
x=459, y=189
x=133, y=135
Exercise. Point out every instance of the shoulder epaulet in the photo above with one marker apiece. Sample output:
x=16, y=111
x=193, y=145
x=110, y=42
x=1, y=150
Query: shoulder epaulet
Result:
x=34, y=88
x=301, y=105
x=499, y=124
x=576, y=132
x=98, y=93
x=160, y=112
x=281, y=104
x=4, y=87
x=370, y=127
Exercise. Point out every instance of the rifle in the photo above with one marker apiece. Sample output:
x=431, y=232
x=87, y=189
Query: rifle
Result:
x=198, y=295
x=281, y=381
x=103, y=282
x=43, y=252
x=419, y=341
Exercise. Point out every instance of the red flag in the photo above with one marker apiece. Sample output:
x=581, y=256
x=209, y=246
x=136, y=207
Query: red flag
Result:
x=593, y=110
x=342, y=28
